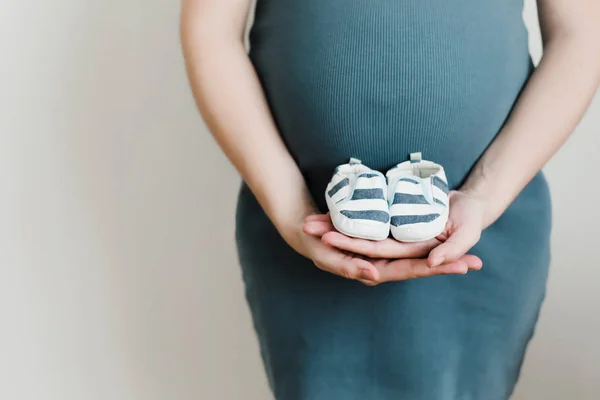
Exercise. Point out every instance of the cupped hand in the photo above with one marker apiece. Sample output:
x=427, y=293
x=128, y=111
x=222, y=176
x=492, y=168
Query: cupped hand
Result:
x=445, y=254
x=329, y=258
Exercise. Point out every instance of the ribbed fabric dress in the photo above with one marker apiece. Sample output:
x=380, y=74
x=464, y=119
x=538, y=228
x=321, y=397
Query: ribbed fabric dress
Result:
x=377, y=80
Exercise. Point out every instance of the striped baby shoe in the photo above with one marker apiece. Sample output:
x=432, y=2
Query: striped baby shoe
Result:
x=418, y=199
x=356, y=197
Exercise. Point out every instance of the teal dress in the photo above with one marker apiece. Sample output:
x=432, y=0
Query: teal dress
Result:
x=377, y=80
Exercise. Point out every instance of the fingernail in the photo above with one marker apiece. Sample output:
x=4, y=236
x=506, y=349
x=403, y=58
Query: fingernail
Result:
x=367, y=274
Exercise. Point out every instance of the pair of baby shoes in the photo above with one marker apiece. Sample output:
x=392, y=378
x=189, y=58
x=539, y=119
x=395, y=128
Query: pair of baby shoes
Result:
x=411, y=200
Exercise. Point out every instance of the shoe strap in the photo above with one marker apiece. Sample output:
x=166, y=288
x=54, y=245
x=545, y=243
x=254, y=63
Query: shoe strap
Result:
x=427, y=186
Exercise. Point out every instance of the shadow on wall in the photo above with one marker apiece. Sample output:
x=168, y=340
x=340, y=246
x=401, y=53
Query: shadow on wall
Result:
x=159, y=198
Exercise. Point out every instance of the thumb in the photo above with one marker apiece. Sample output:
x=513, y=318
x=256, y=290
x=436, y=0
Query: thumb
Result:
x=456, y=246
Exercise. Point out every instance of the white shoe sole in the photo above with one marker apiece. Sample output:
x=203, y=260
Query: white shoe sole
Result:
x=358, y=228
x=421, y=231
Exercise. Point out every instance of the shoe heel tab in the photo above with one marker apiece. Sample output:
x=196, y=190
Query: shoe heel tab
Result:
x=416, y=157
x=354, y=161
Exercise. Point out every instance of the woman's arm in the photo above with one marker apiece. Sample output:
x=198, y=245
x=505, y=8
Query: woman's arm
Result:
x=230, y=99
x=549, y=108
x=546, y=113
x=229, y=96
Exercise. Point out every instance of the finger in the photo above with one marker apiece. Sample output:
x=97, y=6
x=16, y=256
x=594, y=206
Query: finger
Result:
x=457, y=245
x=317, y=217
x=317, y=228
x=367, y=282
x=345, y=265
x=454, y=267
x=388, y=248
x=473, y=262
x=405, y=269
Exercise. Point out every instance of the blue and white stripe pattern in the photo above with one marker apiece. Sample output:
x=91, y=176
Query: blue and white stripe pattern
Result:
x=356, y=197
x=418, y=198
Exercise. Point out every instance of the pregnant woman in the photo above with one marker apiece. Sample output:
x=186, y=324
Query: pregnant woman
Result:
x=340, y=318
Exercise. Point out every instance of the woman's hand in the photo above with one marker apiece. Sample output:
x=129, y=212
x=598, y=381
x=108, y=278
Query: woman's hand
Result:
x=463, y=230
x=445, y=254
x=328, y=258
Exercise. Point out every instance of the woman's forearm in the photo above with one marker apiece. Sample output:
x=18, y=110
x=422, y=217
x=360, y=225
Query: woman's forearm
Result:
x=231, y=101
x=546, y=113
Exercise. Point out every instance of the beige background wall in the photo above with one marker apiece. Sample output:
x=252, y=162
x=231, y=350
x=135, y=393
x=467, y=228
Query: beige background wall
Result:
x=118, y=276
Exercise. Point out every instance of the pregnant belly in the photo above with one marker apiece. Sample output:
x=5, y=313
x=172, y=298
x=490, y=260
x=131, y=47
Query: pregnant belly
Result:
x=379, y=93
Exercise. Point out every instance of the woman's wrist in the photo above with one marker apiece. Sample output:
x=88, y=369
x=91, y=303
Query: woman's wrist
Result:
x=288, y=212
x=491, y=207
x=484, y=184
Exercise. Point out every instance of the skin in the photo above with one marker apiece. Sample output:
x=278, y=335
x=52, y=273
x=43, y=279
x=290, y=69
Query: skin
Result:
x=231, y=101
